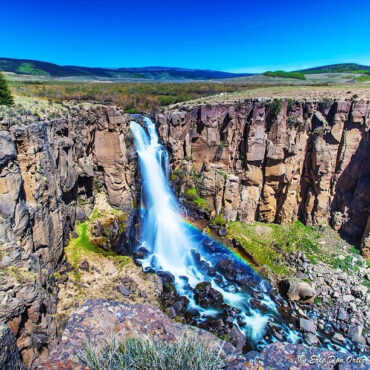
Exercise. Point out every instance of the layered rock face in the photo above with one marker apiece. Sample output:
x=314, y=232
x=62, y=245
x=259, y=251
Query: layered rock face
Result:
x=48, y=173
x=276, y=161
x=271, y=161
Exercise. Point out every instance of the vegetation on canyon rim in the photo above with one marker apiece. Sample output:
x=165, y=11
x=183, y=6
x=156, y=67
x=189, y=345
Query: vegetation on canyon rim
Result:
x=6, y=97
x=132, y=97
x=188, y=353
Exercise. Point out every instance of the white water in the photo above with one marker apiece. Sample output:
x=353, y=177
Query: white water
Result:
x=172, y=243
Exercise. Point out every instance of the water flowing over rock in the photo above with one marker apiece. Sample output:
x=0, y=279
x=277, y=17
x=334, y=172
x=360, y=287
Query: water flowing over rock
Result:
x=177, y=252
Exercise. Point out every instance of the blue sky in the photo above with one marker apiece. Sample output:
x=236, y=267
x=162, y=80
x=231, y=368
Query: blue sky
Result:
x=231, y=35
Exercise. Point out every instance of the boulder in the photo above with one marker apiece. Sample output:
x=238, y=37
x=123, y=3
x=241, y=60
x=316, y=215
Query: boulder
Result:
x=355, y=334
x=307, y=325
x=297, y=290
x=206, y=296
x=311, y=339
x=124, y=291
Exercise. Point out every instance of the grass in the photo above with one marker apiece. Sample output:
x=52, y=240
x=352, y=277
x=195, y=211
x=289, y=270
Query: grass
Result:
x=363, y=78
x=28, y=68
x=271, y=243
x=132, y=97
x=261, y=240
x=350, y=262
x=218, y=220
x=188, y=353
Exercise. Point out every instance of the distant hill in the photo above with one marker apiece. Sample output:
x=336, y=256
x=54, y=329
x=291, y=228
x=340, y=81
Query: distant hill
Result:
x=337, y=68
x=45, y=69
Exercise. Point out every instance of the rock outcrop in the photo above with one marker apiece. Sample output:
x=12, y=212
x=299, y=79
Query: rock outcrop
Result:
x=49, y=171
x=276, y=161
x=9, y=356
x=97, y=320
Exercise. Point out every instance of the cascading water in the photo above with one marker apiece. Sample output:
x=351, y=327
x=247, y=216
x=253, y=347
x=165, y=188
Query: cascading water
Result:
x=191, y=257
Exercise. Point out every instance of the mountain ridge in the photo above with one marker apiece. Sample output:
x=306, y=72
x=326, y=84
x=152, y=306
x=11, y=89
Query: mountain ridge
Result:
x=337, y=68
x=47, y=69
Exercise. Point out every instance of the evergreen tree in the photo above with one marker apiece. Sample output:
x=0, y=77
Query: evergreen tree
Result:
x=5, y=95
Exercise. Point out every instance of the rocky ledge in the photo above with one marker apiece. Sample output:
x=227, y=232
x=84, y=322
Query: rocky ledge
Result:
x=97, y=320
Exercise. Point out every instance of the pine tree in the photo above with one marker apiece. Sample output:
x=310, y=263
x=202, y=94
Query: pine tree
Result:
x=5, y=94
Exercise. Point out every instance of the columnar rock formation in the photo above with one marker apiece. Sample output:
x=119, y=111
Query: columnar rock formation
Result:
x=48, y=173
x=277, y=161
x=267, y=160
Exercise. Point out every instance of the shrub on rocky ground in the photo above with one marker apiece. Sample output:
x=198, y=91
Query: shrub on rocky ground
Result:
x=136, y=353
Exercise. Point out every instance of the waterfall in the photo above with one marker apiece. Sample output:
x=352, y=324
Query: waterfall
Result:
x=191, y=257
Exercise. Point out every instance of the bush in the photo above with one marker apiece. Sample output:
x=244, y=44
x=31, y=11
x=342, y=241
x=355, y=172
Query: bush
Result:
x=276, y=106
x=5, y=95
x=188, y=353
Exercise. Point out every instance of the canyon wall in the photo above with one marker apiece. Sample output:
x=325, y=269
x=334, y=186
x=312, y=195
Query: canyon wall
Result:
x=49, y=171
x=276, y=160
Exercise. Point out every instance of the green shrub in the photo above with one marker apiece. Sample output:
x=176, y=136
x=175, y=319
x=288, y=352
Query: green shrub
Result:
x=276, y=106
x=6, y=97
x=218, y=220
x=191, y=193
x=188, y=353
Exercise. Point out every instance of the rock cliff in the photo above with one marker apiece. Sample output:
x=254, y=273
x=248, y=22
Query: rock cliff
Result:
x=49, y=170
x=276, y=160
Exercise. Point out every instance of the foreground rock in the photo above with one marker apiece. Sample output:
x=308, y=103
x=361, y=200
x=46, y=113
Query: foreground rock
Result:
x=96, y=320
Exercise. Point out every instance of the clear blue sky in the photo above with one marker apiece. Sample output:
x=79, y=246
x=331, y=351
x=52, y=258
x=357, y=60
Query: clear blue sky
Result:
x=231, y=35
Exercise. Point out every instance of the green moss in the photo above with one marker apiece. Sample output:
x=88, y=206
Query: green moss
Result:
x=192, y=192
x=218, y=220
x=192, y=195
x=82, y=244
x=225, y=338
x=202, y=203
x=259, y=244
x=269, y=243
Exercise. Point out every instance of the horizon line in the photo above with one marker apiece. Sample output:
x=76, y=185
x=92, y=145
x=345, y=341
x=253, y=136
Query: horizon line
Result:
x=243, y=70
